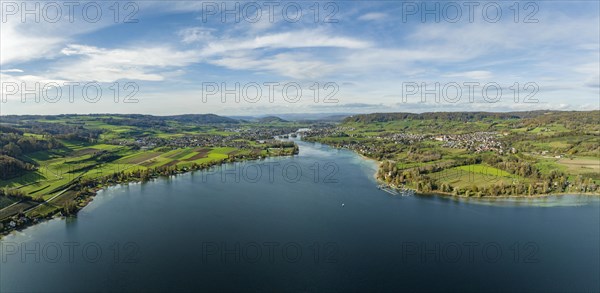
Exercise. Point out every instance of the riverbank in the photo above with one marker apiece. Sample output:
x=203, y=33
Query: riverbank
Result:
x=85, y=193
x=379, y=182
x=172, y=232
x=450, y=194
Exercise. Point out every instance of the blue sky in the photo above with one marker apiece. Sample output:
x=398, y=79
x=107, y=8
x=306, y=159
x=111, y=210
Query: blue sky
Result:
x=368, y=52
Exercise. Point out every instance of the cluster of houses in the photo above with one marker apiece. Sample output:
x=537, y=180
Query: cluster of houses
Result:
x=239, y=139
x=476, y=141
x=16, y=221
x=323, y=132
x=260, y=133
x=406, y=138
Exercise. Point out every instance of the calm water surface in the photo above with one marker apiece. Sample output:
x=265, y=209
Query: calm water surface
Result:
x=305, y=230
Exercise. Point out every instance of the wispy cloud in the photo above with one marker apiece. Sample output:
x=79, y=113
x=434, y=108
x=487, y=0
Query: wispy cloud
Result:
x=373, y=16
x=196, y=34
x=298, y=66
x=14, y=70
x=285, y=40
x=19, y=43
x=477, y=74
x=368, y=54
x=107, y=65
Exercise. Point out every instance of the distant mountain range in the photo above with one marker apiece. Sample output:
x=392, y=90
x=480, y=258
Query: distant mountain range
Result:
x=298, y=117
x=458, y=116
x=126, y=119
x=185, y=118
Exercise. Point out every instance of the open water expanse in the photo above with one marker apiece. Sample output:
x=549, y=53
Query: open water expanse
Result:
x=310, y=223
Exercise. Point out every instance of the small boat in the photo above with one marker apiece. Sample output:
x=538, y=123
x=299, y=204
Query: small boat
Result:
x=387, y=189
x=342, y=205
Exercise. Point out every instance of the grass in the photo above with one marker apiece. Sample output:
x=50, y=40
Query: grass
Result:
x=43, y=210
x=178, y=153
x=580, y=165
x=24, y=180
x=57, y=168
x=484, y=170
x=198, y=155
x=5, y=201
x=137, y=158
x=547, y=165
x=464, y=179
x=4, y=213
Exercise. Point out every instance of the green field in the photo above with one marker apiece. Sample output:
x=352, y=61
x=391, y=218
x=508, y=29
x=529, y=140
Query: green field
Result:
x=510, y=154
x=112, y=153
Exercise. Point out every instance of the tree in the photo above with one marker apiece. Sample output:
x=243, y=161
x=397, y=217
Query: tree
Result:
x=12, y=149
x=70, y=207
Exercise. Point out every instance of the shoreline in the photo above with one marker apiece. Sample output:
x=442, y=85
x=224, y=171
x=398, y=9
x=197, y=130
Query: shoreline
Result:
x=93, y=191
x=450, y=195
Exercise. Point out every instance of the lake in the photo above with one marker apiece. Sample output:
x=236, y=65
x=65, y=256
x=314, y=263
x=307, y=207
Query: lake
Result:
x=310, y=223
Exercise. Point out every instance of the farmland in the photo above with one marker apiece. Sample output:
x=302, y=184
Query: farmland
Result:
x=53, y=164
x=477, y=153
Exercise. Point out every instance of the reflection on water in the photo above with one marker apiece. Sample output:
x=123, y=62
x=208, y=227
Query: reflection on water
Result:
x=565, y=200
x=369, y=167
x=185, y=233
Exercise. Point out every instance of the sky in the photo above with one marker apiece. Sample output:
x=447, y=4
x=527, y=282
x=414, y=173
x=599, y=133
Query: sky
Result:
x=253, y=58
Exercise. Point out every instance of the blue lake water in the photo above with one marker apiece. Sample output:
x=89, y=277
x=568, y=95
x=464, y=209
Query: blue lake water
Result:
x=314, y=222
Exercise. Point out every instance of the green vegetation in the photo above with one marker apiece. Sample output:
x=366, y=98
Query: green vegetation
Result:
x=52, y=164
x=477, y=154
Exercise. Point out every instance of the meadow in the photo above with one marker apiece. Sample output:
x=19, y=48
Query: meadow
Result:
x=103, y=149
x=466, y=153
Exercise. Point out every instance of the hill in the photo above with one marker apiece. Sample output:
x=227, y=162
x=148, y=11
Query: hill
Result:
x=454, y=116
x=270, y=119
x=201, y=118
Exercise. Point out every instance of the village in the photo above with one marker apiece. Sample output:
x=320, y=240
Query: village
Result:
x=239, y=139
x=475, y=142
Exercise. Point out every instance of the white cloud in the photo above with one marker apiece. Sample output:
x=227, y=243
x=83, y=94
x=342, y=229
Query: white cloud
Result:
x=477, y=74
x=287, y=40
x=18, y=44
x=29, y=40
x=261, y=53
x=196, y=34
x=25, y=82
x=298, y=66
x=373, y=16
x=560, y=53
x=108, y=65
x=13, y=70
